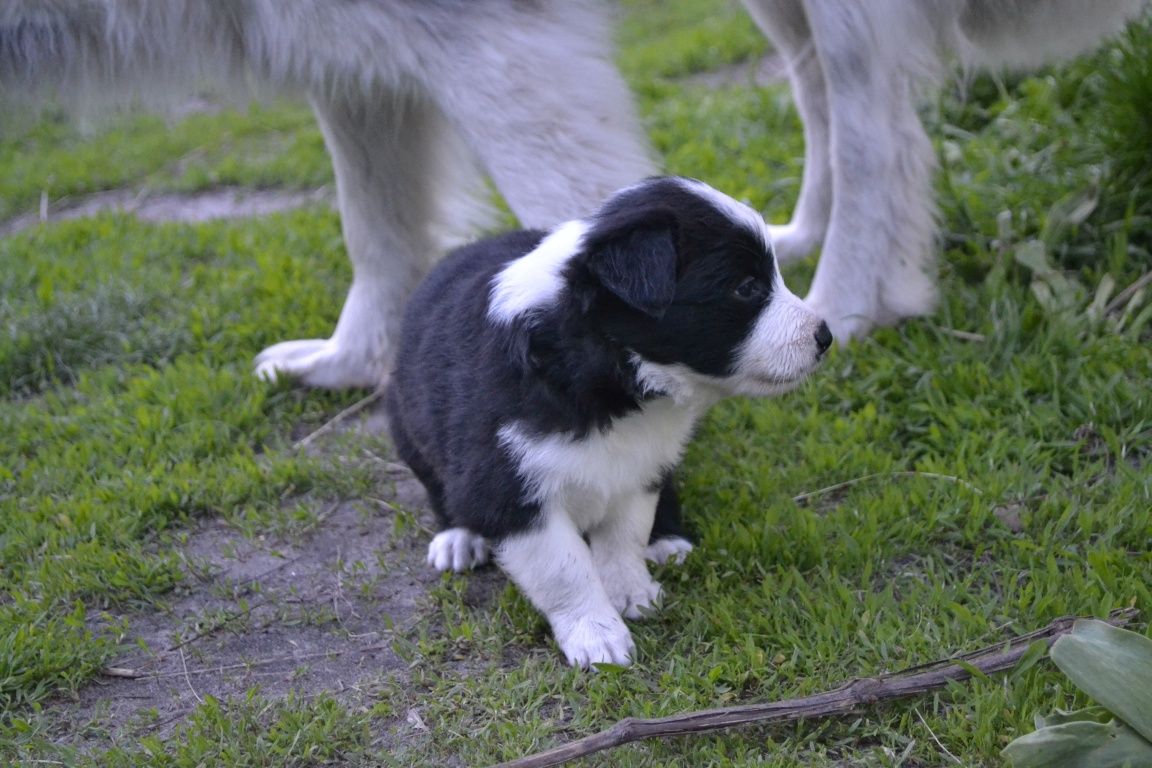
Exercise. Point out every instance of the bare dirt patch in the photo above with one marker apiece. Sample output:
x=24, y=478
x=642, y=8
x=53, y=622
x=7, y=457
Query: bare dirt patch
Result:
x=223, y=203
x=319, y=613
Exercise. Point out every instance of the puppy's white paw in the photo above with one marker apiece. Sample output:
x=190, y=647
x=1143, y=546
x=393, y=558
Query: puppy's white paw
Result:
x=643, y=600
x=590, y=640
x=631, y=590
x=671, y=549
x=458, y=549
x=321, y=363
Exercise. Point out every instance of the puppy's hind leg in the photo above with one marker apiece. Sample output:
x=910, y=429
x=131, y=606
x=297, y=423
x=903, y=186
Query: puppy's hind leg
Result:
x=786, y=25
x=388, y=152
x=458, y=549
x=669, y=541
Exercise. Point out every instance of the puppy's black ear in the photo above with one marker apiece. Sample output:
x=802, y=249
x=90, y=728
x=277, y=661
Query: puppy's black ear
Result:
x=633, y=255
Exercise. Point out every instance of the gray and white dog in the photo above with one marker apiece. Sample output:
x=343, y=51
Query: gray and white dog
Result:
x=416, y=98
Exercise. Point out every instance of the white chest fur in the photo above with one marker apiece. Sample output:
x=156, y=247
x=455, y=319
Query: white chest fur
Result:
x=587, y=475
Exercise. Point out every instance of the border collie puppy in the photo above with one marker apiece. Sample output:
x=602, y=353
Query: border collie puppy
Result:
x=546, y=384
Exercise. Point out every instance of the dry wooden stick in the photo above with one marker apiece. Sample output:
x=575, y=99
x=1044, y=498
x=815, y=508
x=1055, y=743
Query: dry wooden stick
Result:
x=809, y=495
x=1120, y=299
x=841, y=701
x=345, y=414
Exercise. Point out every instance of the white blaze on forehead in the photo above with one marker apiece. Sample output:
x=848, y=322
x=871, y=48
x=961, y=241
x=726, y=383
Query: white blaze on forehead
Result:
x=740, y=214
x=534, y=280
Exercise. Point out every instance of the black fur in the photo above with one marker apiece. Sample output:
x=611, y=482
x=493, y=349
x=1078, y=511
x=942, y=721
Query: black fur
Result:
x=658, y=274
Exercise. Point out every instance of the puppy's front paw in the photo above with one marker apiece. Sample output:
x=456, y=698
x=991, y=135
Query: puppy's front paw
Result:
x=671, y=549
x=457, y=549
x=590, y=640
x=629, y=586
x=638, y=601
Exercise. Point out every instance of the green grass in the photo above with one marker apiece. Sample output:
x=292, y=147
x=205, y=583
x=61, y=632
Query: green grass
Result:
x=267, y=146
x=130, y=412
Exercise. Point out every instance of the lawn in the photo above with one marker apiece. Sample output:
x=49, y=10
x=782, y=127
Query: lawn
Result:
x=199, y=568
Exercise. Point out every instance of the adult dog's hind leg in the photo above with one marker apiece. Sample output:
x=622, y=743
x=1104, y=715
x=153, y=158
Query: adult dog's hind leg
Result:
x=786, y=25
x=386, y=151
x=553, y=125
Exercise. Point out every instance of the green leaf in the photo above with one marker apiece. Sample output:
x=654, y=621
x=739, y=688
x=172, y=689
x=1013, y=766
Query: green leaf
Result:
x=1035, y=652
x=971, y=669
x=1052, y=289
x=1113, y=666
x=1093, y=714
x=1082, y=744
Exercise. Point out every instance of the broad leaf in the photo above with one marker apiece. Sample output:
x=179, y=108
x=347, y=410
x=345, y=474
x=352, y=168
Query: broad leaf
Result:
x=1083, y=744
x=1113, y=666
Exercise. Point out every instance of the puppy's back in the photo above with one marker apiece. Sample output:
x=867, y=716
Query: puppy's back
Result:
x=450, y=384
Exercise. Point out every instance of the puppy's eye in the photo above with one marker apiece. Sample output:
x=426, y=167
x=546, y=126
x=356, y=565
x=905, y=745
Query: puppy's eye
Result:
x=751, y=289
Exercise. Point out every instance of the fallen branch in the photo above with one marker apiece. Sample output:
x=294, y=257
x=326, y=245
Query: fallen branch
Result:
x=841, y=701
x=341, y=417
x=804, y=498
x=1121, y=299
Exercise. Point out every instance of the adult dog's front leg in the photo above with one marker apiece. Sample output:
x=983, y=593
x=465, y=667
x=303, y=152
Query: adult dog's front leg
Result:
x=878, y=261
x=385, y=153
x=553, y=567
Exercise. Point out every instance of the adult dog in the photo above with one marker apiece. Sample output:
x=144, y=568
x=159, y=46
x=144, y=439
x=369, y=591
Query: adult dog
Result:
x=856, y=68
x=409, y=94
x=415, y=97
x=547, y=382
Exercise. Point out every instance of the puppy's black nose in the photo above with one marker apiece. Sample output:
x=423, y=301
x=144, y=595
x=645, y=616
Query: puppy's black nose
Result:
x=823, y=338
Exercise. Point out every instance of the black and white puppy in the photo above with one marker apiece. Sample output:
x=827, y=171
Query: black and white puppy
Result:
x=546, y=384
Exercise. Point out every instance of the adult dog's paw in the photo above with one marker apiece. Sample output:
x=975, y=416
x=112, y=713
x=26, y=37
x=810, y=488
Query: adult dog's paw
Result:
x=458, y=549
x=320, y=363
x=793, y=242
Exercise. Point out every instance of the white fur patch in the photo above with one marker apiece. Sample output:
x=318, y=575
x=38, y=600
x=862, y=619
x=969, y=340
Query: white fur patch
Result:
x=457, y=549
x=781, y=350
x=534, y=279
x=589, y=472
x=554, y=568
x=740, y=214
